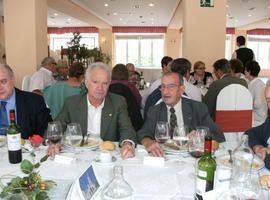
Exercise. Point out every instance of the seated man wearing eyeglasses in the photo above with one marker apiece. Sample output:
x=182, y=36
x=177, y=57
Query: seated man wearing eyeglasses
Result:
x=259, y=137
x=99, y=112
x=177, y=111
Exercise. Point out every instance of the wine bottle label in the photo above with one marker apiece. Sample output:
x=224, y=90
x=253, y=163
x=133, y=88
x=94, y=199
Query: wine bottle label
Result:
x=200, y=186
x=202, y=173
x=14, y=142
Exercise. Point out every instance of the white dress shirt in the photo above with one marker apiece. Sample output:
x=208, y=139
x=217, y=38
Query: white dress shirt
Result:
x=178, y=113
x=94, y=118
x=259, y=114
x=41, y=79
x=192, y=91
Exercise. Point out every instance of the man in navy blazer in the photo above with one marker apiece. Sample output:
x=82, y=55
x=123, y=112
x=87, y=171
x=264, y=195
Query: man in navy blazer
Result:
x=188, y=113
x=32, y=115
x=259, y=137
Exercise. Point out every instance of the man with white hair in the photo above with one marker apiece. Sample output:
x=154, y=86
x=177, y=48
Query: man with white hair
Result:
x=44, y=76
x=100, y=112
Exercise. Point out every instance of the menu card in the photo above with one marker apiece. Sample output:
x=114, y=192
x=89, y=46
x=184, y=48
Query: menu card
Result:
x=85, y=187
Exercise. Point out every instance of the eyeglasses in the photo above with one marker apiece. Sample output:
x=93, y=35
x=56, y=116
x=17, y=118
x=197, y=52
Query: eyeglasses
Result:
x=169, y=87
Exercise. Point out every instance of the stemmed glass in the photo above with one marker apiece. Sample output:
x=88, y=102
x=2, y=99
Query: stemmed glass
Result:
x=162, y=132
x=54, y=132
x=180, y=135
x=196, y=146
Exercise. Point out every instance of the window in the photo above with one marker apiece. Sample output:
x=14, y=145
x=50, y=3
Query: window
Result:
x=142, y=50
x=228, y=46
x=260, y=44
x=58, y=40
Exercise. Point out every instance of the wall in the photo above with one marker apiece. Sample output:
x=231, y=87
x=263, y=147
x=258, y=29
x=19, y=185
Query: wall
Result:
x=172, y=43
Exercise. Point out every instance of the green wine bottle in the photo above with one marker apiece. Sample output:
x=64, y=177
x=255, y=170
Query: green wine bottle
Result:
x=206, y=168
x=14, y=140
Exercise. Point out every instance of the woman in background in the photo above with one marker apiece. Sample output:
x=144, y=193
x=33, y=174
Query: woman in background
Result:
x=200, y=77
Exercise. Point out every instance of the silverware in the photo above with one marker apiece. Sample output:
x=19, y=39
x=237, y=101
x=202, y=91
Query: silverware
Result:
x=230, y=153
x=82, y=142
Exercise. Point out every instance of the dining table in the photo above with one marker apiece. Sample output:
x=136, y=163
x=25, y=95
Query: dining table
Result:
x=149, y=181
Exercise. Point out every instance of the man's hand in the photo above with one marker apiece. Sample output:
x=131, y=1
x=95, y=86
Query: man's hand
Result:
x=127, y=150
x=152, y=147
x=261, y=151
x=54, y=149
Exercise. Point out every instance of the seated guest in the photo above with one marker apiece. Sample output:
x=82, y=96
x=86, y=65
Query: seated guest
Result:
x=131, y=72
x=44, y=76
x=184, y=111
x=32, y=115
x=259, y=137
x=166, y=67
x=183, y=67
x=237, y=68
x=200, y=77
x=61, y=70
x=222, y=70
x=56, y=94
x=256, y=87
x=99, y=112
x=120, y=75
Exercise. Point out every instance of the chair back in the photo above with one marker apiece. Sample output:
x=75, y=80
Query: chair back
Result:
x=234, y=111
x=26, y=82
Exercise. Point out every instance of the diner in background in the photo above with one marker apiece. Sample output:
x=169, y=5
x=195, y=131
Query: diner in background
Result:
x=32, y=115
x=184, y=111
x=56, y=94
x=61, y=73
x=222, y=70
x=44, y=76
x=259, y=137
x=256, y=87
x=237, y=69
x=199, y=77
x=183, y=67
x=99, y=112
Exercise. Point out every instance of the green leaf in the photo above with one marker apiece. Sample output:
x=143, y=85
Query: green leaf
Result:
x=26, y=166
x=44, y=158
x=37, y=165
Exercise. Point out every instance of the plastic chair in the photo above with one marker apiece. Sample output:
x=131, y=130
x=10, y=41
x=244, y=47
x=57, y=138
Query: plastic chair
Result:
x=234, y=111
x=26, y=82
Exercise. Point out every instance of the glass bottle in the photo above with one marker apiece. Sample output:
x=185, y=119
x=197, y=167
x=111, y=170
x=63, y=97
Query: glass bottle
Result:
x=141, y=86
x=14, y=140
x=206, y=168
x=118, y=187
x=242, y=163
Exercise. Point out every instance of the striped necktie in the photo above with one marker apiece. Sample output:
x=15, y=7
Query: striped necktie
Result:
x=173, y=121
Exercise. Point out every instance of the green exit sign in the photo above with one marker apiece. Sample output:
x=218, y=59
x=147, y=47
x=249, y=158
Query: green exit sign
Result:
x=207, y=3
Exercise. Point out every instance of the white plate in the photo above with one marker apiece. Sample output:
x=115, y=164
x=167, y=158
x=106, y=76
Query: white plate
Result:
x=92, y=144
x=98, y=162
x=169, y=150
x=3, y=140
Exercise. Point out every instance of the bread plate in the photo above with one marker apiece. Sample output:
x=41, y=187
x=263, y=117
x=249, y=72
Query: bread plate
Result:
x=90, y=144
x=172, y=148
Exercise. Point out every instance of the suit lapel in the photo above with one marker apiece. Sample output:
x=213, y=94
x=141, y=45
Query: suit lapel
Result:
x=82, y=112
x=20, y=108
x=106, y=116
x=163, y=115
x=187, y=114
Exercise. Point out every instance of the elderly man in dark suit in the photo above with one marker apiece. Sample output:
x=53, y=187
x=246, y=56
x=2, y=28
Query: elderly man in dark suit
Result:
x=185, y=111
x=222, y=70
x=32, y=115
x=100, y=112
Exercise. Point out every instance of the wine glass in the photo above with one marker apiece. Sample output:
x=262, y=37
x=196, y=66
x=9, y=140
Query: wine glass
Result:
x=252, y=189
x=162, y=132
x=73, y=135
x=196, y=146
x=180, y=135
x=54, y=132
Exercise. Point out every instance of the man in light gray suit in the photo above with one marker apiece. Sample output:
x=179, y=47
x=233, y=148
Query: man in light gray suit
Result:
x=188, y=112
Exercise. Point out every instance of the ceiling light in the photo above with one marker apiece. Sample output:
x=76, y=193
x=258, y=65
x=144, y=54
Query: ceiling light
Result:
x=152, y=22
x=151, y=4
x=250, y=15
x=69, y=19
x=227, y=15
x=115, y=13
x=227, y=6
x=106, y=5
x=120, y=19
x=152, y=19
x=55, y=14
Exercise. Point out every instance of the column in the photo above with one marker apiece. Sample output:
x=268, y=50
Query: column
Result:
x=25, y=35
x=106, y=42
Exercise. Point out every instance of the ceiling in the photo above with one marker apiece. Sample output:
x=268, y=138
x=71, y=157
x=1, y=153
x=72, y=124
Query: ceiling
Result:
x=240, y=13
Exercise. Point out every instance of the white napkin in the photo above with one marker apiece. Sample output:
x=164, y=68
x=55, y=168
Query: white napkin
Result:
x=64, y=159
x=153, y=161
x=213, y=194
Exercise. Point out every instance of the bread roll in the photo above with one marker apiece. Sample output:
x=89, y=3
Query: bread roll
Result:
x=265, y=181
x=107, y=145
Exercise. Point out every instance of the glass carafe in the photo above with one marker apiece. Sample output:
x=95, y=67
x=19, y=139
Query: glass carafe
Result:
x=242, y=164
x=118, y=187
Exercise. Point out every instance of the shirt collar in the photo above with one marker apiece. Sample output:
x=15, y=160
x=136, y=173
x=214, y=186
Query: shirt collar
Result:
x=177, y=106
x=46, y=70
x=90, y=105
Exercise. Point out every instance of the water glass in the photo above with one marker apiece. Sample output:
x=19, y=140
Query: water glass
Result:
x=180, y=135
x=196, y=146
x=73, y=134
x=162, y=132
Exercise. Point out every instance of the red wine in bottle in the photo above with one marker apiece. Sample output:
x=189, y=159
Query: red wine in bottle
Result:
x=14, y=140
x=205, y=170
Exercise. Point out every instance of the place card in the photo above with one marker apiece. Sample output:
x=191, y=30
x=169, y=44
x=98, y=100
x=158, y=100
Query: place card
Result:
x=153, y=161
x=62, y=159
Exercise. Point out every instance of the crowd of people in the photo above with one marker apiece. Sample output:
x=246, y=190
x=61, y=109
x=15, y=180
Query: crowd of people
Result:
x=108, y=103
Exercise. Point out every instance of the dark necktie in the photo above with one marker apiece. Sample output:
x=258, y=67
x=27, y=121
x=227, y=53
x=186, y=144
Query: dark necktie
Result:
x=3, y=118
x=173, y=121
